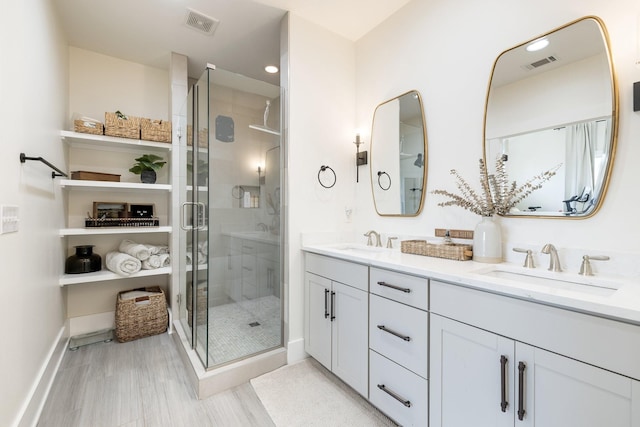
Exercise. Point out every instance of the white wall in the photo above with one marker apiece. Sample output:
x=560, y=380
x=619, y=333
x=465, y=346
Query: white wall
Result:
x=33, y=95
x=321, y=108
x=445, y=49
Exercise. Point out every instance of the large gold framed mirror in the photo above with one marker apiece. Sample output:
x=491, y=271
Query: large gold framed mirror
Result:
x=399, y=156
x=551, y=101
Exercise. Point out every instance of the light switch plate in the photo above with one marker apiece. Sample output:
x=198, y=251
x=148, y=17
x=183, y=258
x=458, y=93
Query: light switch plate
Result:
x=9, y=219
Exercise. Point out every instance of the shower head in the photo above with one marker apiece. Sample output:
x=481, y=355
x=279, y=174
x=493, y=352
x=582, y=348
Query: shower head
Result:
x=264, y=127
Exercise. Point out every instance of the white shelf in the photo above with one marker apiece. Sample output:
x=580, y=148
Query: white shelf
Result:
x=103, y=275
x=110, y=185
x=92, y=231
x=201, y=267
x=103, y=142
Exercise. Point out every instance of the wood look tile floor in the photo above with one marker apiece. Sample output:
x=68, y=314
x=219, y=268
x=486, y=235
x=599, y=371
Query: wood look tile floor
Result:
x=141, y=383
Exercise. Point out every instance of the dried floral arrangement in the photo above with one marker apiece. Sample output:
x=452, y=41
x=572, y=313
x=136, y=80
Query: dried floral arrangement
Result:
x=497, y=194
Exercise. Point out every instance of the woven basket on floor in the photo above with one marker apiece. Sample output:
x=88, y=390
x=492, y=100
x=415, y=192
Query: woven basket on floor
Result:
x=125, y=128
x=155, y=130
x=455, y=251
x=141, y=317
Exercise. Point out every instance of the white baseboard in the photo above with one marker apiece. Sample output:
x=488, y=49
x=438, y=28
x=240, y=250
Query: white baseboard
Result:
x=91, y=323
x=295, y=351
x=33, y=405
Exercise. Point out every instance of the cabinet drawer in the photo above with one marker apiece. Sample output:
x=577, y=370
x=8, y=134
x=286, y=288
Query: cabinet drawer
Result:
x=410, y=290
x=349, y=273
x=400, y=333
x=403, y=396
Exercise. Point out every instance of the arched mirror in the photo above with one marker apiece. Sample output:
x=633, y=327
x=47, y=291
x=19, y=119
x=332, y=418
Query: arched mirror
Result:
x=553, y=101
x=399, y=156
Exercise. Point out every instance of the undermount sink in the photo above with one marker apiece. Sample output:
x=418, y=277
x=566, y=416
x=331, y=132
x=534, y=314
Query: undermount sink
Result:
x=592, y=285
x=358, y=248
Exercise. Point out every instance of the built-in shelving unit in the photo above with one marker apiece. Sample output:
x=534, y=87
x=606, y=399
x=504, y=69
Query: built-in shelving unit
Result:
x=111, y=144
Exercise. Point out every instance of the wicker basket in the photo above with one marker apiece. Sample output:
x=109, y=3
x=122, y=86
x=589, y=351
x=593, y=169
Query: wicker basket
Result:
x=86, y=126
x=155, y=130
x=142, y=316
x=125, y=128
x=455, y=251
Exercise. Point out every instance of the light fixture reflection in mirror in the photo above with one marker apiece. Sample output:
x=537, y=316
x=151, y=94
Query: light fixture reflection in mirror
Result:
x=399, y=156
x=555, y=105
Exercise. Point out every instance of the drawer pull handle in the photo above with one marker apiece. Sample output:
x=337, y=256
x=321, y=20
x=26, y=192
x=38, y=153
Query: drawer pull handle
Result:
x=397, y=288
x=394, y=333
x=333, y=306
x=406, y=403
x=521, y=411
x=503, y=383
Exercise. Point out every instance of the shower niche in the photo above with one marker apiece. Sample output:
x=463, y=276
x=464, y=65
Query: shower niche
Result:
x=230, y=308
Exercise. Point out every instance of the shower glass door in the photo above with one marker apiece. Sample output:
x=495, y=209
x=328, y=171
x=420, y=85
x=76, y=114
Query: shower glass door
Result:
x=235, y=244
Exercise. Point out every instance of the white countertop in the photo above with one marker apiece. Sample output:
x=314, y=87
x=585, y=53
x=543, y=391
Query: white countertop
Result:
x=256, y=236
x=621, y=303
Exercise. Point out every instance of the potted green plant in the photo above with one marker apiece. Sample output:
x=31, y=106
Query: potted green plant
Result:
x=146, y=166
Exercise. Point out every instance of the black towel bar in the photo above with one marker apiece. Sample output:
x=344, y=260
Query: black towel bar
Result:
x=58, y=172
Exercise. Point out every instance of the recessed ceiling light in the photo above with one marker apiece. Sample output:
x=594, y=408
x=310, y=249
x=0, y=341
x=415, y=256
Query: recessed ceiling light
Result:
x=271, y=69
x=538, y=45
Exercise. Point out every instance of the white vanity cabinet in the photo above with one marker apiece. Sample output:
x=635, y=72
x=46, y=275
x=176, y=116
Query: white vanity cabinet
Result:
x=488, y=376
x=336, y=317
x=399, y=345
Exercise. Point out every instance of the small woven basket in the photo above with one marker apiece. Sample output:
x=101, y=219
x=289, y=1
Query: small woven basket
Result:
x=155, y=130
x=142, y=316
x=86, y=126
x=455, y=251
x=125, y=128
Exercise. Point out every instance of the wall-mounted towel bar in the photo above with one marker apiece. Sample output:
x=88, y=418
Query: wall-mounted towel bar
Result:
x=58, y=172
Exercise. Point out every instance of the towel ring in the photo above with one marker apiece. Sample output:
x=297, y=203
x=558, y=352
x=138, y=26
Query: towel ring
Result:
x=239, y=190
x=335, y=178
x=380, y=173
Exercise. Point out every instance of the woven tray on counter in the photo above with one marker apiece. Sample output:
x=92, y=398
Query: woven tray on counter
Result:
x=455, y=251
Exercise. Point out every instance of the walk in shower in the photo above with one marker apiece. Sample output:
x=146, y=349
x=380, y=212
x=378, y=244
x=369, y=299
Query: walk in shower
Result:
x=230, y=305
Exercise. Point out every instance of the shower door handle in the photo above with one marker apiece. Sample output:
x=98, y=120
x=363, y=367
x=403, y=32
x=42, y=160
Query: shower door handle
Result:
x=183, y=217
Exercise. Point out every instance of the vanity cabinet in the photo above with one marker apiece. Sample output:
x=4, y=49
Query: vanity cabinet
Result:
x=336, y=318
x=399, y=345
x=253, y=268
x=480, y=377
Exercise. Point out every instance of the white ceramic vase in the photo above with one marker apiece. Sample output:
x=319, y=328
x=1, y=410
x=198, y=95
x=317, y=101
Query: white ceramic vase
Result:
x=487, y=241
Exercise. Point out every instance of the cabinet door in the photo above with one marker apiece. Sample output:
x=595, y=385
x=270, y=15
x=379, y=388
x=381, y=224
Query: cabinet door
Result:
x=466, y=378
x=317, y=328
x=562, y=392
x=350, y=336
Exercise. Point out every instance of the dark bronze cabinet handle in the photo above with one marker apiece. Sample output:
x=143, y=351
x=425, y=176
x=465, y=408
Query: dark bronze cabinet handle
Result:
x=333, y=305
x=397, y=288
x=405, y=402
x=326, y=303
x=394, y=333
x=521, y=411
x=503, y=383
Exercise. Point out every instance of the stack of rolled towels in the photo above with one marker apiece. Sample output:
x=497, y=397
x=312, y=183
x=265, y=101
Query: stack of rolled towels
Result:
x=201, y=254
x=131, y=257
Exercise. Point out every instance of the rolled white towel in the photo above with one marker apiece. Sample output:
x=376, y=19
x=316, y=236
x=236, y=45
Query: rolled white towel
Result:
x=134, y=249
x=156, y=261
x=202, y=258
x=157, y=249
x=204, y=247
x=122, y=264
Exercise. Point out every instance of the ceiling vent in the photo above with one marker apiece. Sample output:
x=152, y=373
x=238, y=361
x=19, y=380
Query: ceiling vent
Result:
x=541, y=62
x=202, y=23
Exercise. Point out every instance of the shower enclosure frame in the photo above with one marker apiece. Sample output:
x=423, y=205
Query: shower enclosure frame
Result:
x=197, y=215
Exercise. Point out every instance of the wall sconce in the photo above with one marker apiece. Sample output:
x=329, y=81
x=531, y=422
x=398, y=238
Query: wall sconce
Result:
x=361, y=156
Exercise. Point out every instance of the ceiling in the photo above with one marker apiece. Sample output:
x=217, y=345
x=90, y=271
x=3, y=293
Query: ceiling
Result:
x=246, y=39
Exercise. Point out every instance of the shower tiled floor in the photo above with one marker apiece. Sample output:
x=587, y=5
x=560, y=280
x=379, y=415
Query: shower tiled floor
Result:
x=234, y=334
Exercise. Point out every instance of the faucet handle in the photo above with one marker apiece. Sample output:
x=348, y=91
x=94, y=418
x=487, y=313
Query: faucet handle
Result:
x=528, y=261
x=585, y=268
x=390, y=242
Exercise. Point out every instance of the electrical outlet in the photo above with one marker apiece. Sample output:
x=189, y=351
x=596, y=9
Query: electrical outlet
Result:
x=455, y=234
x=9, y=219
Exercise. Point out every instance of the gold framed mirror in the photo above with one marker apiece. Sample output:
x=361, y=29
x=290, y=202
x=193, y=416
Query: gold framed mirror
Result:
x=551, y=101
x=399, y=156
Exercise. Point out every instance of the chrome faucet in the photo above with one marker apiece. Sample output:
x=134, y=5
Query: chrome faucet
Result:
x=371, y=233
x=554, y=261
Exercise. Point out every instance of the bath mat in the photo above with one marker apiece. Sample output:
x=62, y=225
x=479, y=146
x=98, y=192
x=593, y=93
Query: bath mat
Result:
x=306, y=394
